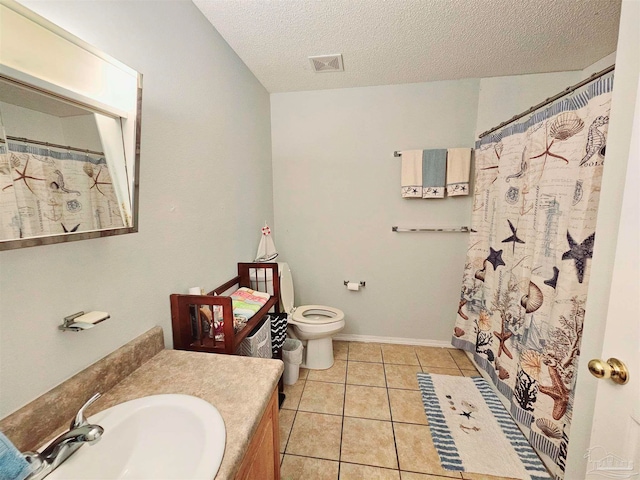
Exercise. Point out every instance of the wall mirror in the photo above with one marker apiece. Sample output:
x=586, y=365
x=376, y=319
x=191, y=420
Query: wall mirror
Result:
x=69, y=135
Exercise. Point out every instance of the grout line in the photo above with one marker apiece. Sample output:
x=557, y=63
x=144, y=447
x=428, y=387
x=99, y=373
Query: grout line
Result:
x=374, y=466
x=344, y=401
x=314, y=458
x=309, y=456
x=286, y=444
x=295, y=415
x=393, y=430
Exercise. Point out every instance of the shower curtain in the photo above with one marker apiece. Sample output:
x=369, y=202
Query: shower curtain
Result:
x=44, y=191
x=527, y=270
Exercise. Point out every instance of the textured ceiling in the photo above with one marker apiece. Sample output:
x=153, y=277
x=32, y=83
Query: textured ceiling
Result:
x=387, y=42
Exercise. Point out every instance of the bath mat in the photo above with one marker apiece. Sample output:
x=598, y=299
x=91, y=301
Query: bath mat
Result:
x=472, y=431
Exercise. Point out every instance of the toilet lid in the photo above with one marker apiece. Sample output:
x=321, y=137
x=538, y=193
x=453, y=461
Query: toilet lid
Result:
x=317, y=314
x=286, y=287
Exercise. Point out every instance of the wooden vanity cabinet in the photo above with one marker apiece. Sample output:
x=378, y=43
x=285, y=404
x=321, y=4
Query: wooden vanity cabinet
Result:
x=262, y=460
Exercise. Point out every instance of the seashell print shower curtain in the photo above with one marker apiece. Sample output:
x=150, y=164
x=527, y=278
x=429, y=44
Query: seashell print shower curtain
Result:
x=525, y=281
x=44, y=191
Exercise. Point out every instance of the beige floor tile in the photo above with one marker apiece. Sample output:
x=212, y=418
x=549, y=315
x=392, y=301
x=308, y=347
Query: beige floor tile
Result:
x=482, y=476
x=336, y=374
x=350, y=471
x=399, y=354
x=303, y=468
x=315, y=435
x=435, y=357
x=362, y=373
x=322, y=397
x=340, y=350
x=471, y=373
x=461, y=359
x=367, y=402
x=407, y=406
x=303, y=373
x=365, y=352
x=402, y=376
x=281, y=458
x=286, y=422
x=443, y=371
x=368, y=442
x=416, y=452
x=293, y=393
x=420, y=476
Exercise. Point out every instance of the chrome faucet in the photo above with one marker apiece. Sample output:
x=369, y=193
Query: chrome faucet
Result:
x=80, y=432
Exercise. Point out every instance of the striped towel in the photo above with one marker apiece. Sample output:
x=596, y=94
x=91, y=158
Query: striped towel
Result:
x=246, y=302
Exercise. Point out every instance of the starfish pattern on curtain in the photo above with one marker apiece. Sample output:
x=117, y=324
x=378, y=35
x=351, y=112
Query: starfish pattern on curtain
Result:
x=537, y=190
x=44, y=191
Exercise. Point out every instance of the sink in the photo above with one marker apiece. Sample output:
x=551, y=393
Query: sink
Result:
x=157, y=437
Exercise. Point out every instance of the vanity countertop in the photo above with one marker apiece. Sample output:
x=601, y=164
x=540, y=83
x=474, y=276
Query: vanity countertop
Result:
x=239, y=387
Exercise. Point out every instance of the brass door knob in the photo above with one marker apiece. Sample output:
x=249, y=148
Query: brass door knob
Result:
x=612, y=368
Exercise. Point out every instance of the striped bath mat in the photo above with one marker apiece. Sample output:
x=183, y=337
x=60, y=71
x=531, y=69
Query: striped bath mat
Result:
x=473, y=432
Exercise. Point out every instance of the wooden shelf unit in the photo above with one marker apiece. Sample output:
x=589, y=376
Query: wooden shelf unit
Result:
x=250, y=275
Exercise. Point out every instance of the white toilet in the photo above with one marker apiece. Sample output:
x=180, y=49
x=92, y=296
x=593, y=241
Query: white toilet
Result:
x=313, y=324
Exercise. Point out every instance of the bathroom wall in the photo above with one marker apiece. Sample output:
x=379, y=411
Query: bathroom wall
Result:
x=503, y=97
x=24, y=122
x=206, y=189
x=336, y=195
x=82, y=130
x=600, y=64
x=78, y=130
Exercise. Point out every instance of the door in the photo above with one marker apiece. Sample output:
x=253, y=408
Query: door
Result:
x=614, y=449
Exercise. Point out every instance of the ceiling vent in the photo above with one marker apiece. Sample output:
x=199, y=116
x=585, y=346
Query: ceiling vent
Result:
x=327, y=63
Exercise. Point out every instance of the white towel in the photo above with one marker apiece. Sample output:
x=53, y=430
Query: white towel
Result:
x=411, y=178
x=458, y=168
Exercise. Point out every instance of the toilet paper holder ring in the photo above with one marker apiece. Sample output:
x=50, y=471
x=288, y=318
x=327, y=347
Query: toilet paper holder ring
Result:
x=362, y=284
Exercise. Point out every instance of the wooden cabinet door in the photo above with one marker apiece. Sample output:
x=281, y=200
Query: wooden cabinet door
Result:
x=261, y=461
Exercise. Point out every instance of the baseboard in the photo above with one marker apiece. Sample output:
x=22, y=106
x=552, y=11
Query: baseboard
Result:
x=394, y=340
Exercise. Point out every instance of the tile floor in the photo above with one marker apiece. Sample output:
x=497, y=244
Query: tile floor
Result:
x=363, y=418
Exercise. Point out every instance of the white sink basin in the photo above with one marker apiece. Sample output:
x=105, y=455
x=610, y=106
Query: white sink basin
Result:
x=157, y=437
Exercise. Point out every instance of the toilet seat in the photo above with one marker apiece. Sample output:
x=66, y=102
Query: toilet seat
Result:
x=317, y=314
x=314, y=325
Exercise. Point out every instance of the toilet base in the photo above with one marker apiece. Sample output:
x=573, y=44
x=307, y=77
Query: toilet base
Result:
x=318, y=354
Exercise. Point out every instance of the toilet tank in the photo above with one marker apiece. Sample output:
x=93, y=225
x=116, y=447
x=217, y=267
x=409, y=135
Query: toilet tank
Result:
x=262, y=279
x=263, y=282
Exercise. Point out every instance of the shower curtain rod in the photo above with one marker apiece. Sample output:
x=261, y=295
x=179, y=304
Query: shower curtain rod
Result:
x=53, y=145
x=566, y=91
x=462, y=229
